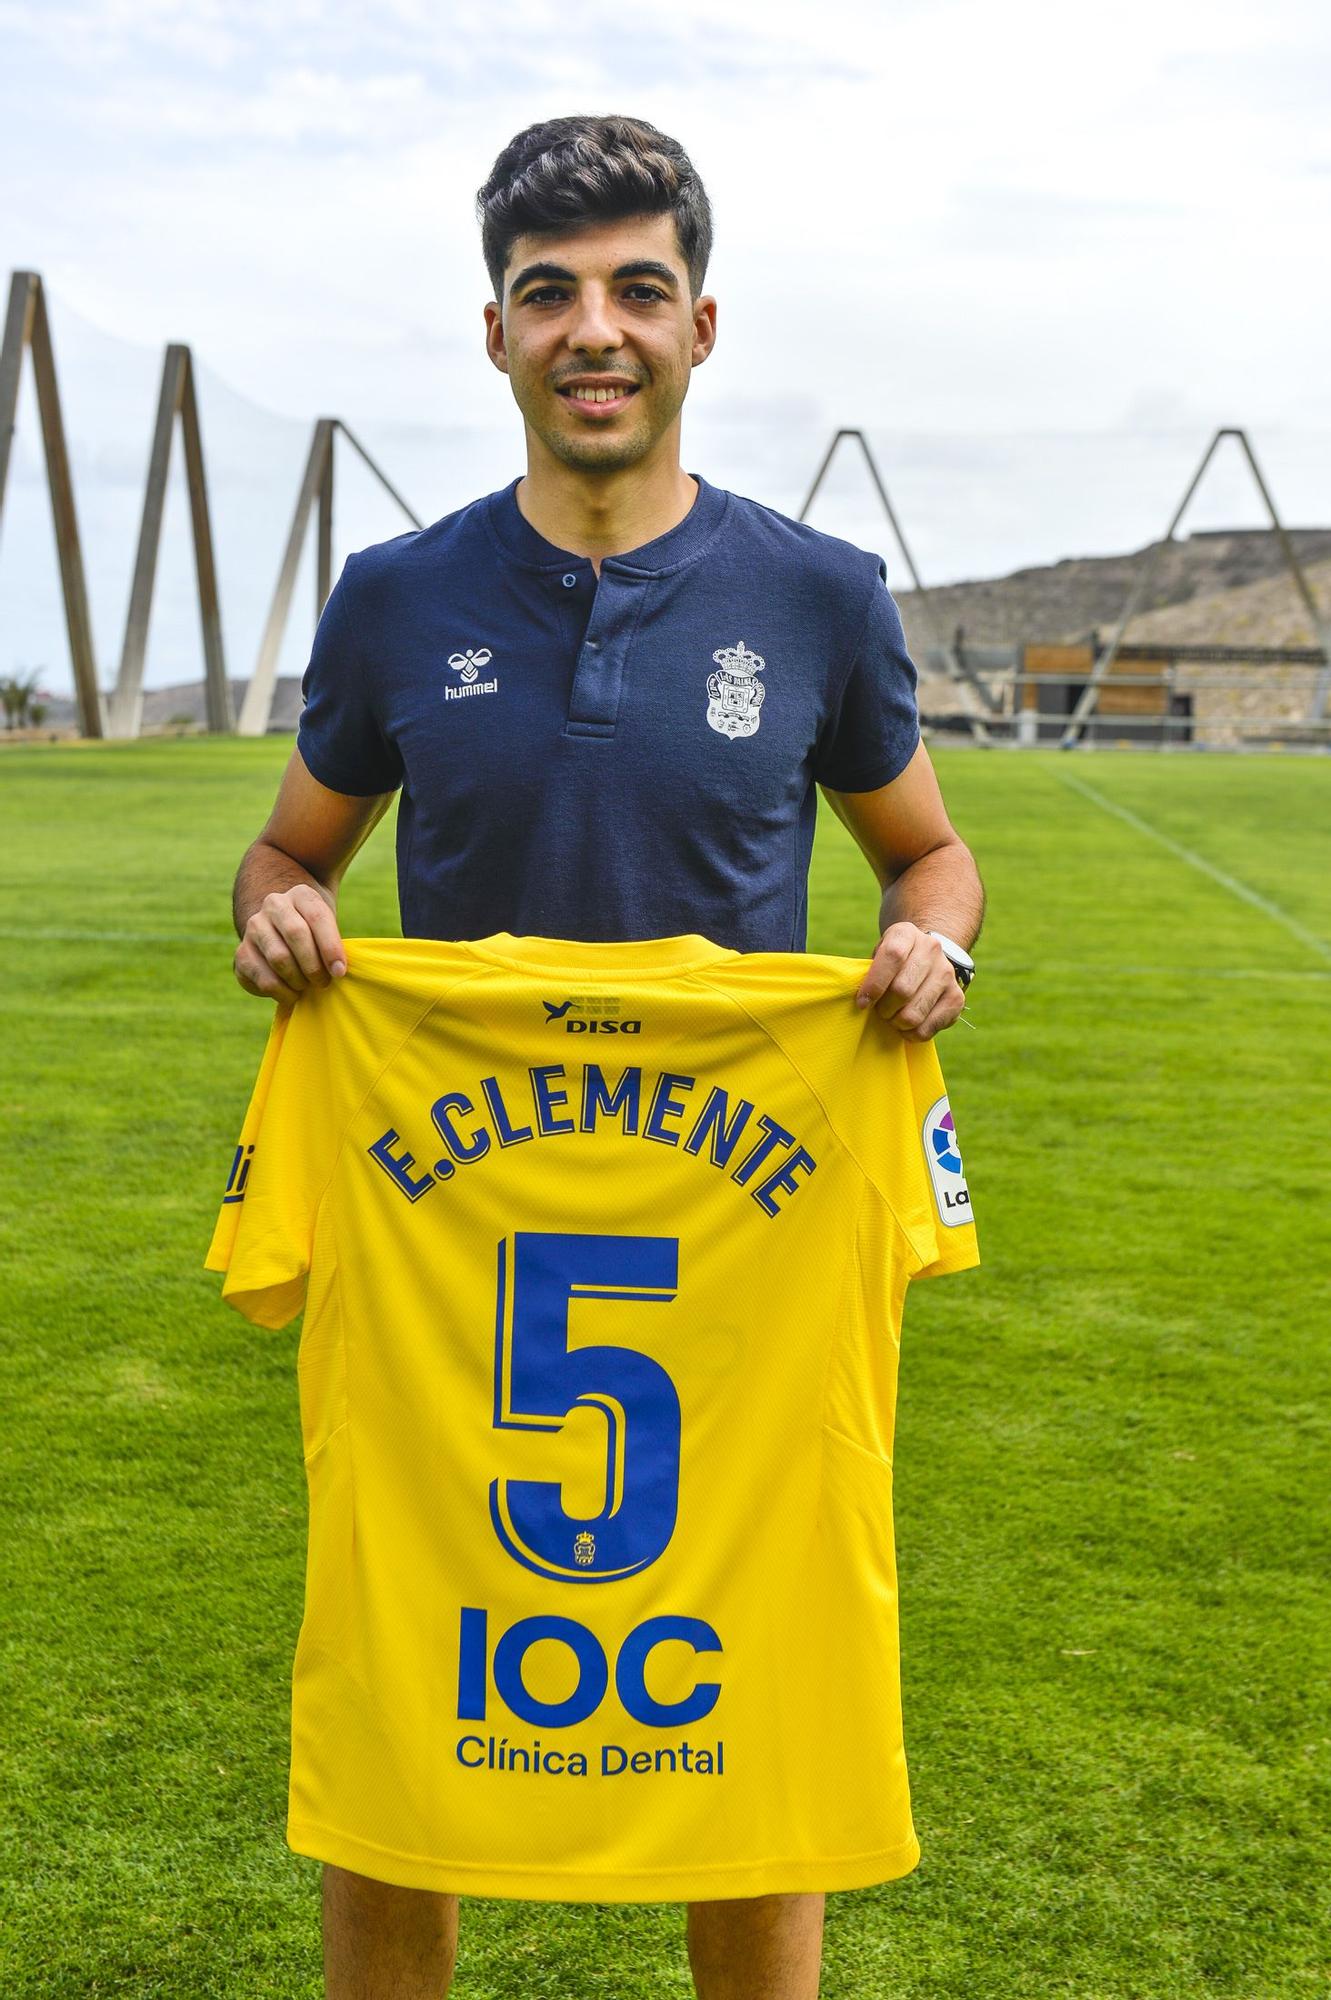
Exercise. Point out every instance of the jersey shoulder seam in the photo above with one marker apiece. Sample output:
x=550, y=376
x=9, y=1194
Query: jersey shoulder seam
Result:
x=467, y=974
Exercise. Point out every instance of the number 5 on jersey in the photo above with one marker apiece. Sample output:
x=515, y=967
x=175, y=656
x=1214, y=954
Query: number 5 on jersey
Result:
x=539, y=1381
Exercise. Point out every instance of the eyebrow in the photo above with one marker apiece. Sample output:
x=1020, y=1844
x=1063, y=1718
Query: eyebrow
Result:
x=643, y=267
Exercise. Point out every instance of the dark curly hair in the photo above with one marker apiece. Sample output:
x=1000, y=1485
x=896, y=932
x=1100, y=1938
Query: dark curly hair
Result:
x=570, y=170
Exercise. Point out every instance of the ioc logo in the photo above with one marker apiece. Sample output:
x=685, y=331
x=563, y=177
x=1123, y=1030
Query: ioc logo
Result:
x=475, y=1664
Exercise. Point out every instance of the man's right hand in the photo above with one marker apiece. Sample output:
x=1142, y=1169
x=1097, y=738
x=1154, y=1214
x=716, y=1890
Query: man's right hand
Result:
x=284, y=902
x=290, y=943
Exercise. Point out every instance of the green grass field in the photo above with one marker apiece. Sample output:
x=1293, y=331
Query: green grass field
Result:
x=1113, y=1461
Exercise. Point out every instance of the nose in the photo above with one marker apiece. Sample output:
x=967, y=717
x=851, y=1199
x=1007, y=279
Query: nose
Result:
x=595, y=329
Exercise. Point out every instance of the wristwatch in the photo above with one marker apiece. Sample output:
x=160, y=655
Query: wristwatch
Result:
x=961, y=961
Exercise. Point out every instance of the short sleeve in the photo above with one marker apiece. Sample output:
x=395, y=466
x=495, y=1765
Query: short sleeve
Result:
x=888, y=1102
x=320, y=1062
x=872, y=731
x=262, y=1238
x=339, y=734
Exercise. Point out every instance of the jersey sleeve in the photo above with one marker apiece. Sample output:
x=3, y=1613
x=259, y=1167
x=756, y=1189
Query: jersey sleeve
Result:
x=872, y=731
x=323, y=1056
x=339, y=734
x=262, y=1237
x=943, y=1233
x=887, y=1101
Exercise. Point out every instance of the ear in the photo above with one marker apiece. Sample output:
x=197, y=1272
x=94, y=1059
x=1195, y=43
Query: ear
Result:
x=704, y=328
x=495, y=345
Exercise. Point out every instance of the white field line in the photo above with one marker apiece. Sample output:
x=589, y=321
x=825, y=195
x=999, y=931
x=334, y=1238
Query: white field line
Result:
x=1236, y=888
x=36, y=934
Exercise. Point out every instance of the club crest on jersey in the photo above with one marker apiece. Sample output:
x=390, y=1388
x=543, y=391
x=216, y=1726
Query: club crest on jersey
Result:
x=735, y=694
x=584, y=1548
x=943, y=1154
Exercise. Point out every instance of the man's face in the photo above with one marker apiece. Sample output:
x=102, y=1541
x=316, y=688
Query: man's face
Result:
x=598, y=336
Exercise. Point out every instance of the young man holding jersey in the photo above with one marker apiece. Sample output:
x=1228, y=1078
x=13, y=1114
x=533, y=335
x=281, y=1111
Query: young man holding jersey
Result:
x=609, y=694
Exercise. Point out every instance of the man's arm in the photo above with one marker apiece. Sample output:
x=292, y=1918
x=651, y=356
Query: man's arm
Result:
x=284, y=903
x=929, y=882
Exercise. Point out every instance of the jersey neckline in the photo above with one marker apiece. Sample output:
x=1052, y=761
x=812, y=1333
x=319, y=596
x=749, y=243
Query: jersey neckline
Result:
x=647, y=958
x=667, y=551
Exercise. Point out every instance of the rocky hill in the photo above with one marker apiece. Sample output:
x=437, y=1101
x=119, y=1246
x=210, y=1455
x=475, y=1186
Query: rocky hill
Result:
x=1203, y=579
x=1267, y=613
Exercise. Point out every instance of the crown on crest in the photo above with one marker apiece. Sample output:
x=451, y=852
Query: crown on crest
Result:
x=738, y=661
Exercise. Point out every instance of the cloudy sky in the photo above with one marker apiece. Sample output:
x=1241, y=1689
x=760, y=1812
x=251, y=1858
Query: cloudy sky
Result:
x=951, y=221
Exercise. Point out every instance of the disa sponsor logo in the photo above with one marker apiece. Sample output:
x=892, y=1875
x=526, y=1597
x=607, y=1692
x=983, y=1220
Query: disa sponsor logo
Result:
x=590, y=1014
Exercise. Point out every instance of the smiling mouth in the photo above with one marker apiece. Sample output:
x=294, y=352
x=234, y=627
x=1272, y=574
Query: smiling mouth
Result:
x=598, y=398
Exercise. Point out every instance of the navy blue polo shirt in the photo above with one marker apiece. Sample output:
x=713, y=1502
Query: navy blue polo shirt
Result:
x=621, y=758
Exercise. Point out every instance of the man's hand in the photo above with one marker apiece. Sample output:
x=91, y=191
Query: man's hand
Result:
x=290, y=943
x=913, y=982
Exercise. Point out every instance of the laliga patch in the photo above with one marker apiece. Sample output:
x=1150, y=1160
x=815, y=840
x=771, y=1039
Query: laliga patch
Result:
x=945, y=1171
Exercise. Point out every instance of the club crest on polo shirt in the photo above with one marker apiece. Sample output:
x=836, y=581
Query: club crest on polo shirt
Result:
x=735, y=694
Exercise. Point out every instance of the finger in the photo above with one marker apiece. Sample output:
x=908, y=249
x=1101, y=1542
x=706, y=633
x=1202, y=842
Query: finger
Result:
x=895, y=976
x=268, y=943
x=324, y=931
x=884, y=966
x=908, y=987
x=292, y=925
x=912, y=1013
x=258, y=978
x=941, y=1015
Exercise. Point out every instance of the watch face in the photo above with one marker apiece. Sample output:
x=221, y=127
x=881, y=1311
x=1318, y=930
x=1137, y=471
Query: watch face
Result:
x=962, y=960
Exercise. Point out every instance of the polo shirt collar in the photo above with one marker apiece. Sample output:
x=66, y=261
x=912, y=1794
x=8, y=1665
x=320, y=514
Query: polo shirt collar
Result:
x=678, y=545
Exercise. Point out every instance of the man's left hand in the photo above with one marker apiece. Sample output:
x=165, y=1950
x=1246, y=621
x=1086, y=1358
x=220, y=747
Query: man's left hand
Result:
x=913, y=983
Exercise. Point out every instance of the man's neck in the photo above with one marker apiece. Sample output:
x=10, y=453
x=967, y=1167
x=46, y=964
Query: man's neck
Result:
x=599, y=514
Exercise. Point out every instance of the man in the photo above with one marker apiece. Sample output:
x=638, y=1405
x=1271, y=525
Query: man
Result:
x=609, y=694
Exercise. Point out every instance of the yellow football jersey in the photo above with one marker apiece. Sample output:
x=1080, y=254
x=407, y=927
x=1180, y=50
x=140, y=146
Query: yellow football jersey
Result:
x=603, y=1250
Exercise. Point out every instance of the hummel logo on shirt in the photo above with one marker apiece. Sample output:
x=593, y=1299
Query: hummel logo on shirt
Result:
x=467, y=666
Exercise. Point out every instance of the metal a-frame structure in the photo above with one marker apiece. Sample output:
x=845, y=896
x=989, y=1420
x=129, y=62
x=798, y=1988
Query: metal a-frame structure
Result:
x=316, y=490
x=1089, y=696
x=27, y=326
x=177, y=398
x=984, y=702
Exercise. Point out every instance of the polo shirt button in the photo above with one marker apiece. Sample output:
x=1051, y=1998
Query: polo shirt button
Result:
x=569, y=581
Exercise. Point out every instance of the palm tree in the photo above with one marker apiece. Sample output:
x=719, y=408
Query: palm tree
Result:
x=16, y=695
